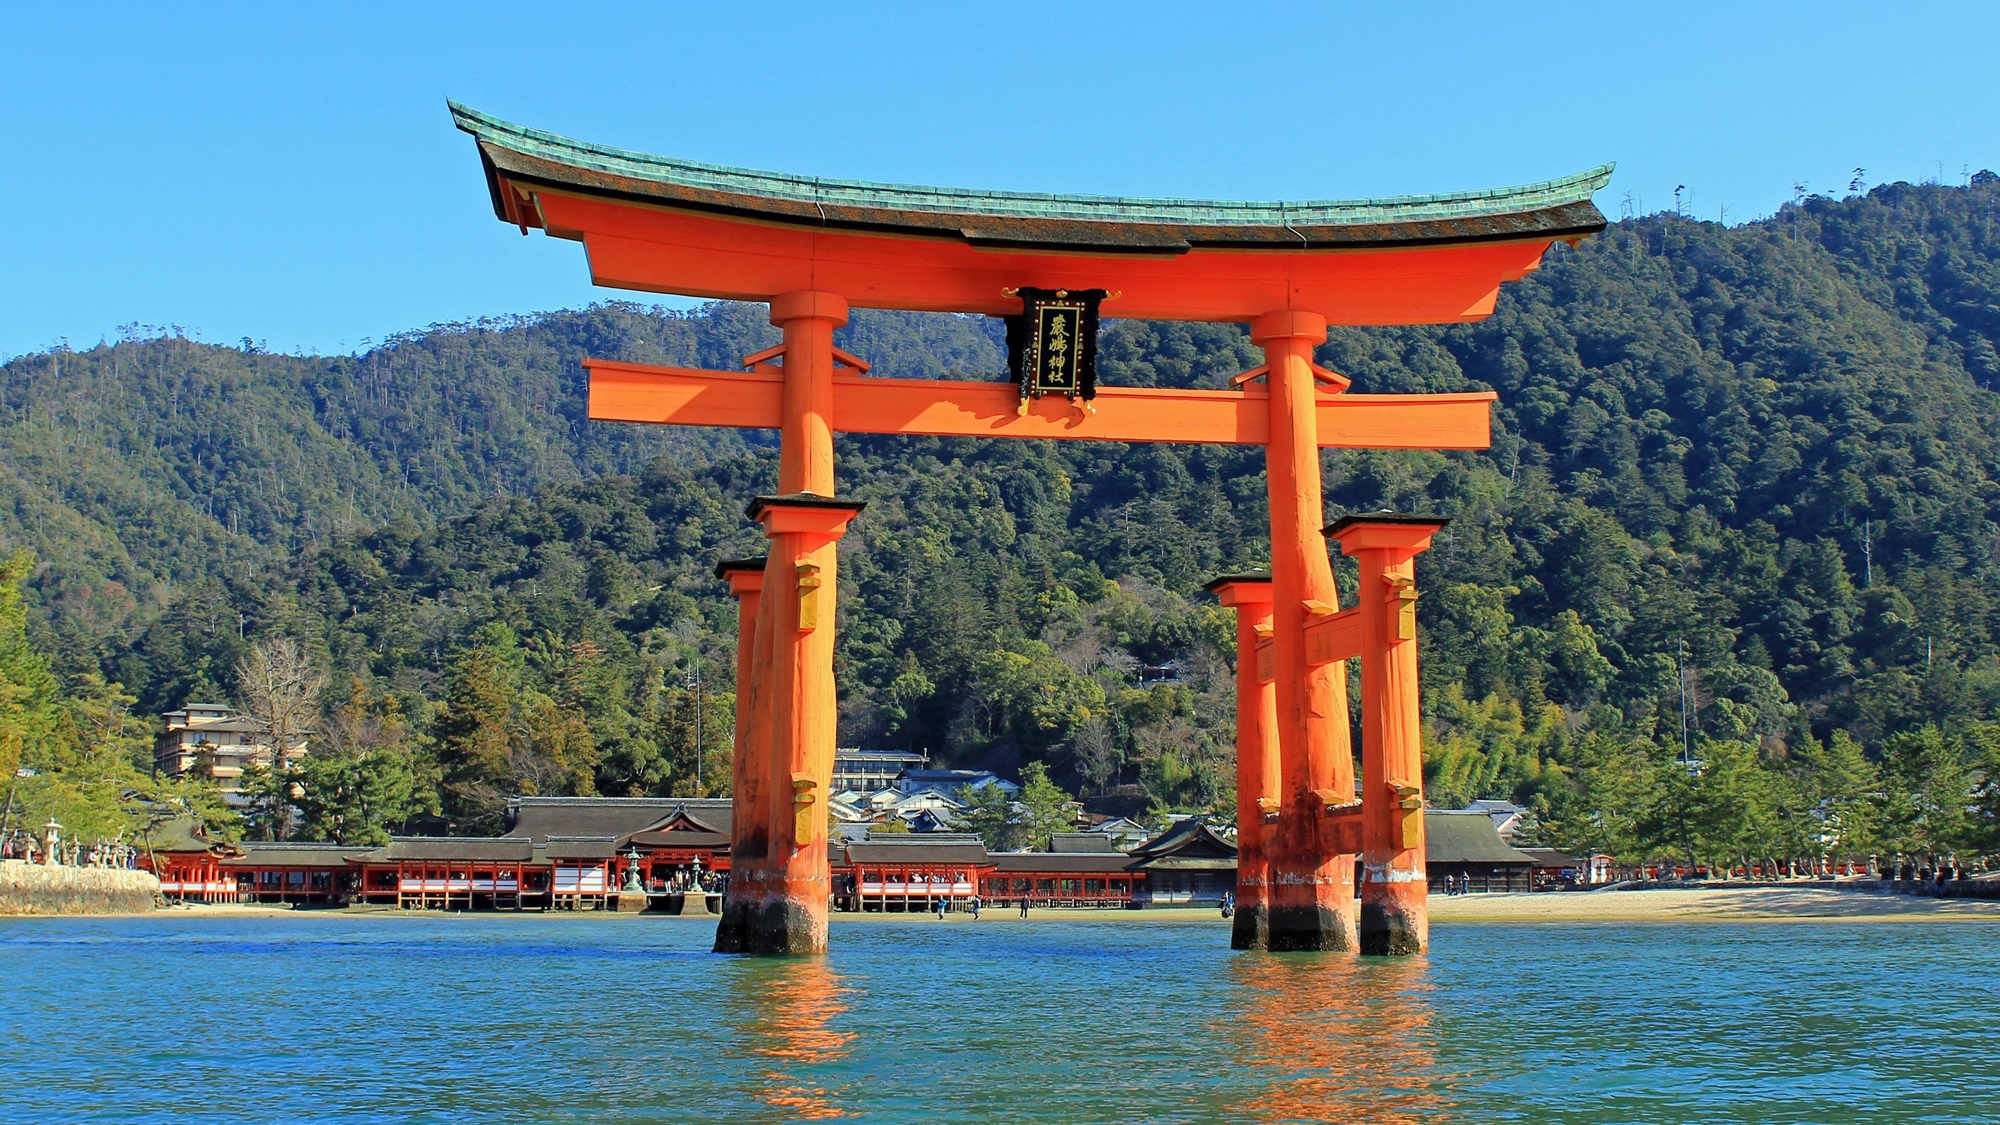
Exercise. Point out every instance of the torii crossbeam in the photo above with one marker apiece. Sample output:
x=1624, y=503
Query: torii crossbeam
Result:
x=811, y=247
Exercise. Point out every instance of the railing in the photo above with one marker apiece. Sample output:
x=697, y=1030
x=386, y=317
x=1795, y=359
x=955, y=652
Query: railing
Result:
x=458, y=886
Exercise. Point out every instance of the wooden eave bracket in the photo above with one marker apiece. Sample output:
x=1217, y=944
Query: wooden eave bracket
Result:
x=1323, y=375
x=761, y=360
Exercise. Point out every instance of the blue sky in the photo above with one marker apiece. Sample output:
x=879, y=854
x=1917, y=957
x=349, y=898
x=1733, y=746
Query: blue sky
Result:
x=292, y=176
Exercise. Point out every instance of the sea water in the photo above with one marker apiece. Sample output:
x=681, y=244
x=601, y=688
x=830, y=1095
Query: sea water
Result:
x=475, y=1019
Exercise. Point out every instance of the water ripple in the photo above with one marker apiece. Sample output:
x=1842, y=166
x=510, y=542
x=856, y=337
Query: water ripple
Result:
x=328, y=1018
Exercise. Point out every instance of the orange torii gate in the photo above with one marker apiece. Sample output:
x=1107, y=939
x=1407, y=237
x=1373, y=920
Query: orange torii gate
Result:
x=813, y=247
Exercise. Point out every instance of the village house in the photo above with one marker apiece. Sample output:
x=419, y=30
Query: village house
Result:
x=867, y=771
x=951, y=782
x=1508, y=817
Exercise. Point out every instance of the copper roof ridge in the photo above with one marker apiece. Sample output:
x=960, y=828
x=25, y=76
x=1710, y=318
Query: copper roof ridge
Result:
x=1559, y=207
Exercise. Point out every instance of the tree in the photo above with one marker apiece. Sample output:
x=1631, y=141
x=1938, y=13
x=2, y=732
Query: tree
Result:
x=990, y=814
x=280, y=686
x=474, y=745
x=1843, y=789
x=1927, y=803
x=363, y=778
x=1094, y=749
x=28, y=691
x=1045, y=808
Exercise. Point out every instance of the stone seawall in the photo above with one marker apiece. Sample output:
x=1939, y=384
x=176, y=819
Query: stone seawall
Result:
x=33, y=889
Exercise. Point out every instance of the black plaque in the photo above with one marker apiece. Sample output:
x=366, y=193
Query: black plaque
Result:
x=1052, y=344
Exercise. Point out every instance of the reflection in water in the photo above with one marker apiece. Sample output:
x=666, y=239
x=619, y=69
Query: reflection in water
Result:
x=1333, y=1038
x=788, y=1003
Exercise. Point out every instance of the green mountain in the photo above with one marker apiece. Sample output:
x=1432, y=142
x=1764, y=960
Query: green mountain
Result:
x=1746, y=484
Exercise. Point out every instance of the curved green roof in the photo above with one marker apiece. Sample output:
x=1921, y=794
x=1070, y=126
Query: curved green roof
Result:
x=519, y=153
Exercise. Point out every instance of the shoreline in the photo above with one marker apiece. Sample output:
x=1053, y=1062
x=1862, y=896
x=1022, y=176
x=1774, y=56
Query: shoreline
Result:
x=1720, y=904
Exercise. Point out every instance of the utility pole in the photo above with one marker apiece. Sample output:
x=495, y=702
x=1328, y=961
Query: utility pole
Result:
x=698, y=714
x=1680, y=678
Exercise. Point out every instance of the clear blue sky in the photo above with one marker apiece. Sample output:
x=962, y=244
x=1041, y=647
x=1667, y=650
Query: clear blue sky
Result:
x=293, y=177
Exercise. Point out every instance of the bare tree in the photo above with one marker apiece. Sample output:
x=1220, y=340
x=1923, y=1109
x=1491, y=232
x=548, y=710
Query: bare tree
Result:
x=281, y=686
x=1096, y=751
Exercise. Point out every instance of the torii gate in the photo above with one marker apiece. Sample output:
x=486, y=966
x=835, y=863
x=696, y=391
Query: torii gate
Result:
x=813, y=247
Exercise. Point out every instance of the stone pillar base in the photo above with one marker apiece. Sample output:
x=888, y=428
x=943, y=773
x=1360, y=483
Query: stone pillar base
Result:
x=1252, y=927
x=731, y=932
x=770, y=927
x=1310, y=929
x=1390, y=929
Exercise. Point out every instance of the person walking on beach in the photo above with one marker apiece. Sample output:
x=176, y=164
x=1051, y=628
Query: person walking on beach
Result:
x=1024, y=906
x=975, y=908
x=940, y=907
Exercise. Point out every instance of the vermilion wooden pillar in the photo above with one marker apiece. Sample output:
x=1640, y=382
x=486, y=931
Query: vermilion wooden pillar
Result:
x=784, y=906
x=778, y=899
x=805, y=451
x=1312, y=884
x=1395, y=913
x=750, y=831
x=1256, y=756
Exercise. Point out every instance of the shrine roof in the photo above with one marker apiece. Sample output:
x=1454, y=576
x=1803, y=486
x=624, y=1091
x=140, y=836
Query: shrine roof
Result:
x=1466, y=836
x=1062, y=863
x=532, y=158
x=540, y=818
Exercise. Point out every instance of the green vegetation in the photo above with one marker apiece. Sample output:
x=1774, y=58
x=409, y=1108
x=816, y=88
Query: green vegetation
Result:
x=1727, y=584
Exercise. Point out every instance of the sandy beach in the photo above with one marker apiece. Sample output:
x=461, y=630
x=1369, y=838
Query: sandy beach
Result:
x=1745, y=902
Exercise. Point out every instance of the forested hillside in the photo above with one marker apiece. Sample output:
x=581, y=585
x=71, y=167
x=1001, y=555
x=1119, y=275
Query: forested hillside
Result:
x=1743, y=510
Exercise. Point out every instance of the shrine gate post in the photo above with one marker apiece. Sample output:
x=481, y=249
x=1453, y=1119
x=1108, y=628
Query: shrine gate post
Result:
x=1395, y=917
x=1312, y=883
x=1257, y=759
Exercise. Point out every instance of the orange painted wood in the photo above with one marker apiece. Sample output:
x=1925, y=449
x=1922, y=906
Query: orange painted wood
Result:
x=1334, y=638
x=805, y=448
x=1343, y=828
x=1312, y=884
x=1257, y=762
x=1394, y=878
x=660, y=250
x=686, y=396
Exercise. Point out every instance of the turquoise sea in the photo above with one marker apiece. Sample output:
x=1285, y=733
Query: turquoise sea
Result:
x=476, y=1019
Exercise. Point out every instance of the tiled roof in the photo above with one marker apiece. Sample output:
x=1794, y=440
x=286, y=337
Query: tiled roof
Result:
x=493, y=849
x=582, y=847
x=1185, y=839
x=1465, y=837
x=1061, y=863
x=292, y=853
x=1031, y=219
x=919, y=848
x=1078, y=842
x=541, y=817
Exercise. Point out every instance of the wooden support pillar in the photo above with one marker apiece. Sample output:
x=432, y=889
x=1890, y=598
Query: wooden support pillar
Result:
x=1257, y=764
x=1312, y=884
x=750, y=829
x=779, y=883
x=1395, y=913
x=779, y=904
x=805, y=450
